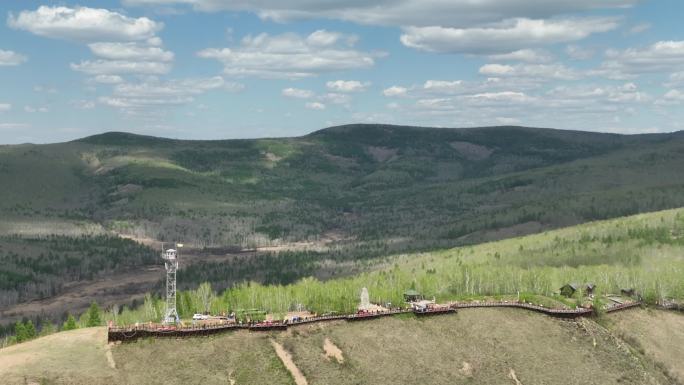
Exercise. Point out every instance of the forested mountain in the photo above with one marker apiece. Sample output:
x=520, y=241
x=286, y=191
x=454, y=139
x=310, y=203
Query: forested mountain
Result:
x=328, y=201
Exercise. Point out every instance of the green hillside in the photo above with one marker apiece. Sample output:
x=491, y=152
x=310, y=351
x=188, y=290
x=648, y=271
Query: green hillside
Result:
x=351, y=194
x=643, y=252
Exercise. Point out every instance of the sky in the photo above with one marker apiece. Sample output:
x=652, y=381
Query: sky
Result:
x=218, y=69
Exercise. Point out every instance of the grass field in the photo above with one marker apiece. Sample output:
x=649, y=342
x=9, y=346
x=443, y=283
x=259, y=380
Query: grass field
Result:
x=476, y=346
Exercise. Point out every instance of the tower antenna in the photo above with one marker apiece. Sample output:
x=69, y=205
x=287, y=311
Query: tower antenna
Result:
x=170, y=257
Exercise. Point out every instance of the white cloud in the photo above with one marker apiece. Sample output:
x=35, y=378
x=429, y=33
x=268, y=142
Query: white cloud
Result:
x=233, y=87
x=147, y=96
x=587, y=96
x=662, y=56
x=443, y=86
x=395, y=91
x=83, y=104
x=674, y=95
x=336, y=98
x=154, y=41
x=579, y=53
x=347, y=85
x=486, y=102
x=297, y=93
x=111, y=67
x=639, y=28
x=46, y=89
x=83, y=24
x=108, y=79
x=315, y=106
x=319, y=102
x=289, y=56
x=496, y=69
x=13, y=126
x=676, y=79
x=504, y=96
x=525, y=55
x=435, y=104
x=31, y=109
x=11, y=58
x=125, y=45
x=130, y=51
x=507, y=120
x=134, y=105
x=323, y=38
x=173, y=88
x=535, y=71
x=5, y=107
x=398, y=13
x=504, y=37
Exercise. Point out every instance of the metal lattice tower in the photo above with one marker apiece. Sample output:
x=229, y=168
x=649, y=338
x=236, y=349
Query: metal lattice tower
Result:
x=170, y=257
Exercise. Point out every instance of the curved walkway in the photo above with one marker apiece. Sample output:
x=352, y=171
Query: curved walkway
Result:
x=133, y=333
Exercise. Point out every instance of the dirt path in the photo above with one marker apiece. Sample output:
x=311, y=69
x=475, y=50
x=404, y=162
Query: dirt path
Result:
x=110, y=357
x=332, y=351
x=513, y=377
x=286, y=358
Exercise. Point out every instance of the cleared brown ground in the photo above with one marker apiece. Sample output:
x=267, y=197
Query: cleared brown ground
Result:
x=659, y=334
x=476, y=346
x=117, y=289
x=122, y=288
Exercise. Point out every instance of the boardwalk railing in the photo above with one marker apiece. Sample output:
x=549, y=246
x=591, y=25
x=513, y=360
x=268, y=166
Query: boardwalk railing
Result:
x=623, y=306
x=567, y=313
x=141, y=331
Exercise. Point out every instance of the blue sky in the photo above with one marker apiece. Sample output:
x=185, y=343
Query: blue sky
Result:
x=209, y=69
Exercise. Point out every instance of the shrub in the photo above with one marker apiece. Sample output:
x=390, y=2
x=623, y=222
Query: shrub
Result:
x=70, y=323
x=20, y=332
x=93, y=315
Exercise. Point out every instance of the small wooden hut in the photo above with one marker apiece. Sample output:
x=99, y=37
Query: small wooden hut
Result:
x=412, y=295
x=568, y=289
x=589, y=288
x=627, y=291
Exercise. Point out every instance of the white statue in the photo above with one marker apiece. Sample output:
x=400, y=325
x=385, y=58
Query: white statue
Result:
x=365, y=301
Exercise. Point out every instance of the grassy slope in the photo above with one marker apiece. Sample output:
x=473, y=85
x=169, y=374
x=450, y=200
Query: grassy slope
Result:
x=541, y=350
x=645, y=252
x=81, y=357
x=77, y=356
x=658, y=334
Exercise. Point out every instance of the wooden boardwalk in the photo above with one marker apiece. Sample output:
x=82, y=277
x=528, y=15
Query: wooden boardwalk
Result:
x=622, y=306
x=563, y=313
x=156, y=331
